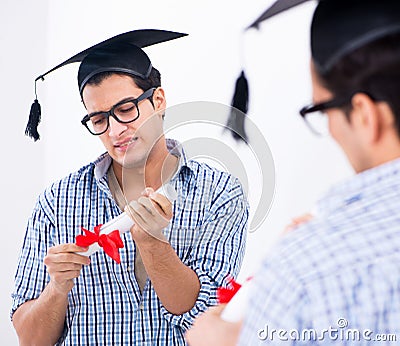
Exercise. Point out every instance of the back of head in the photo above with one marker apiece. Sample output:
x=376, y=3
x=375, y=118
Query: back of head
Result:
x=356, y=48
x=342, y=26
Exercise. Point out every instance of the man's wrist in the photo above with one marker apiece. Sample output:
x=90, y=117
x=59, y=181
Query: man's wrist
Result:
x=56, y=290
x=144, y=238
x=152, y=244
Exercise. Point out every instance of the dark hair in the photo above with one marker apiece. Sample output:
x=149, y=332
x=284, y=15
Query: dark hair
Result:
x=153, y=81
x=373, y=69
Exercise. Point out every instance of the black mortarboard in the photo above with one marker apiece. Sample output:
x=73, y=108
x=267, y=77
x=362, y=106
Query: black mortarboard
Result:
x=338, y=28
x=341, y=26
x=121, y=53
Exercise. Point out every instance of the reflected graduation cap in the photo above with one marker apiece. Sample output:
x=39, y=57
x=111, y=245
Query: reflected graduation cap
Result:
x=276, y=8
x=339, y=27
x=121, y=53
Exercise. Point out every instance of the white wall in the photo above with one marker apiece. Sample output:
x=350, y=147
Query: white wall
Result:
x=23, y=25
x=35, y=36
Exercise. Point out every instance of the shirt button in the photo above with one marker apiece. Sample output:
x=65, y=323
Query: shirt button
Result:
x=128, y=268
x=141, y=306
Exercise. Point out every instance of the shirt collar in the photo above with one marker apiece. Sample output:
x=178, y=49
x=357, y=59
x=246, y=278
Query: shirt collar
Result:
x=101, y=165
x=175, y=148
x=103, y=162
x=363, y=185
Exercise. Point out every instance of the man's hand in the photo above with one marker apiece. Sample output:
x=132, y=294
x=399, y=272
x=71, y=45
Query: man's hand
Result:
x=151, y=213
x=41, y=321
x=177, y=285
x=297, y=221
x=209, y=330
x=64, y=265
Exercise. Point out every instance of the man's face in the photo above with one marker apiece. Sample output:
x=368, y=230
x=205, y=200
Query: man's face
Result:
x=128, y=144
x=341, y=129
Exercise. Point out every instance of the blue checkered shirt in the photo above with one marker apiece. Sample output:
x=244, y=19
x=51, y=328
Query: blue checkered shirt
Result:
x=106, y=306
x=341, y=271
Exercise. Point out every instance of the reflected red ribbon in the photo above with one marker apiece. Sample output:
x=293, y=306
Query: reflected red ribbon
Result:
x=226, y=294
x=109, y=242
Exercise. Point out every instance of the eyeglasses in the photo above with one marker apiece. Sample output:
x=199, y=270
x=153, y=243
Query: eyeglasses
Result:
x=124, y=112
x=315, y=118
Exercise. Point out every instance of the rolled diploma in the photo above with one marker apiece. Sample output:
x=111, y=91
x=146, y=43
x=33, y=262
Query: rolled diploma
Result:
x=123, y=222
x=234, y=310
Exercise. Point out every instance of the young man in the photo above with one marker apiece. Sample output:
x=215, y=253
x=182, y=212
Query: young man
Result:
x=173, y=258
x=336, y=278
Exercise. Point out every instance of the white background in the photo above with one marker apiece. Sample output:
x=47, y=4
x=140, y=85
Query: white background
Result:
x=37, y=35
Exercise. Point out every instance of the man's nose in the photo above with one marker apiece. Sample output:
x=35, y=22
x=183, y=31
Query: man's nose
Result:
x=115, y=127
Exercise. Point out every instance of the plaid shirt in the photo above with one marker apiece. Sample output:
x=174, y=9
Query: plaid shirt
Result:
x=106, y=306
x=339, y=271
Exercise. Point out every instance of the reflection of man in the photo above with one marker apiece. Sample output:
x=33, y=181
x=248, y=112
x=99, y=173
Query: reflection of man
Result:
x=169, y=268
x=338, y=271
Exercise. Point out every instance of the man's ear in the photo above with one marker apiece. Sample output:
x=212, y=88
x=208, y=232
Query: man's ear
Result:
x=366, y=117
x=159, y=100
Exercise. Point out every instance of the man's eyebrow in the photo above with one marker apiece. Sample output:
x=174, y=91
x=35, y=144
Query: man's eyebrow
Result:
x=116, y=104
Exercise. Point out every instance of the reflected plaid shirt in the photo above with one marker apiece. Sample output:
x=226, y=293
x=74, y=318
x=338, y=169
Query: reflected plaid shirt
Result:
x=342, y=268
x=106, y=306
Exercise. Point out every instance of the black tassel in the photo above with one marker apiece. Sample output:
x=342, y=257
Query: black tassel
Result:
x=34, y=120
x=239, y=109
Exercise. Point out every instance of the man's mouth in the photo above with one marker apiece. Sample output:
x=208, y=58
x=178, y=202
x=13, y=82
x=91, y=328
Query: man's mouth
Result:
x=126, y=144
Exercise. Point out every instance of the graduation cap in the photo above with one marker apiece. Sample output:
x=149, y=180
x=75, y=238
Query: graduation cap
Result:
x=121, y=53
x=341, y=26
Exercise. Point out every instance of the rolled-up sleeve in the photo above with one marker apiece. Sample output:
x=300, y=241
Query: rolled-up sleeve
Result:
x=31, y=276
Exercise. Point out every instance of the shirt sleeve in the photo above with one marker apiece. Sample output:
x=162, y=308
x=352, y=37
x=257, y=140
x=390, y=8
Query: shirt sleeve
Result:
x=277, y=307
x=218, y=252
x=31, y=276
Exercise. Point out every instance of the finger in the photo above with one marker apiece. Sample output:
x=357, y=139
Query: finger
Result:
x=157, y=214
x=68, y=247
x=304, y=218
x=63, y=267
x=138, y=211
x=66, y=257
x=297, y=221
x=163, y=203
x=148, y=205
x=150, y=226
x=147, y=191
x=152, y=207
x=65, y=276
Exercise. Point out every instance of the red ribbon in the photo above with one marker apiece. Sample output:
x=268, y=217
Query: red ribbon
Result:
x=109, y=242
x=226, y=294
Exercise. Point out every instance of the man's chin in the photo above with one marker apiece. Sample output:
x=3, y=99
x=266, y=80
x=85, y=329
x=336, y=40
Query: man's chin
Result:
x=132, y=162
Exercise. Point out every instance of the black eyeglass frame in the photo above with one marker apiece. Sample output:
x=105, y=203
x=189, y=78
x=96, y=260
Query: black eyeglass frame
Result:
x=336, y=102
x=323, y=106
x=148, y=94
x=318, y=107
